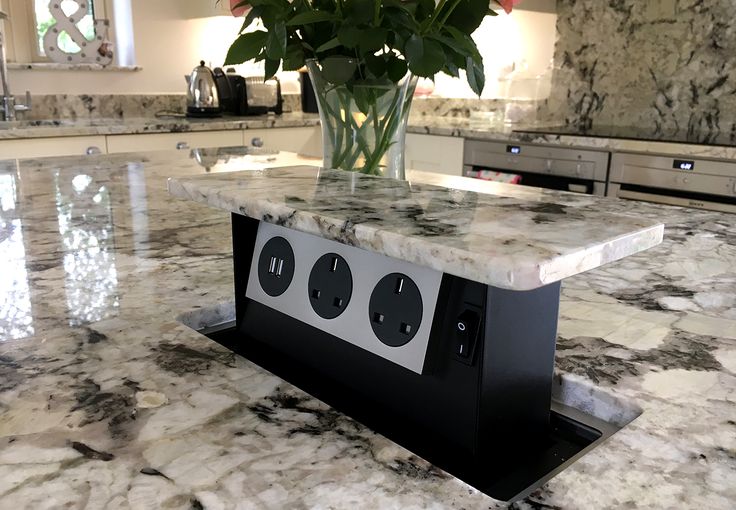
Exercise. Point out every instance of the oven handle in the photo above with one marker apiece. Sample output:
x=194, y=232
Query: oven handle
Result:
x=684, y=202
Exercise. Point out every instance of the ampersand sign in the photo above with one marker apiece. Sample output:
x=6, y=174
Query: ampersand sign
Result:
x=96, y=51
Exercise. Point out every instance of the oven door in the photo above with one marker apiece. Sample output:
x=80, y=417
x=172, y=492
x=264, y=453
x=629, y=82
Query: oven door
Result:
x=548, y=181
x=703, y=184
x=557, y=168
x=673, y=197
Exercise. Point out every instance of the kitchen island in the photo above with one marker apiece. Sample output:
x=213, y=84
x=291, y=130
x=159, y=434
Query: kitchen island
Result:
x=110, y=401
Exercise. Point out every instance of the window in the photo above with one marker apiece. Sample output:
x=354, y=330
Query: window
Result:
x=29, y=20
x=42, y=19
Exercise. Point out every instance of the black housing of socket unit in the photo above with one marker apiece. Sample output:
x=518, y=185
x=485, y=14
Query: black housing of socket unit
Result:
x=478, y=411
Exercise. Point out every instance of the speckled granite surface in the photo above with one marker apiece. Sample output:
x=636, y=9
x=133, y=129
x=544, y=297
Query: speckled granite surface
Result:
x=514, y=238
x=421, y=124
x=108, y=402
x=142, y=125
x=657, y=65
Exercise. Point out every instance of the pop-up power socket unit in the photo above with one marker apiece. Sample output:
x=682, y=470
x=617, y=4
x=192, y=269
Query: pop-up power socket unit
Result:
x=457, y=371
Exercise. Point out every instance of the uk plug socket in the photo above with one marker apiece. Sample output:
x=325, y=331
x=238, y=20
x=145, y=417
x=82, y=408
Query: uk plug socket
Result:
x=330, y=286
x=395, y=309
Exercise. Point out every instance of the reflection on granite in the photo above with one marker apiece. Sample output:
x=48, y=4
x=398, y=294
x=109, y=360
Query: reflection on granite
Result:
x=514, y=238
x=135, y=410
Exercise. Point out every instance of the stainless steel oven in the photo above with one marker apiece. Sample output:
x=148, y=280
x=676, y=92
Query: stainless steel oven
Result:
x=701, y=183
x=563, y=168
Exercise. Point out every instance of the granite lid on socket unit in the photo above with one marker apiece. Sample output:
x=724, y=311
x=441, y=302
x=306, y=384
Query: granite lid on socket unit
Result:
x=514, y=237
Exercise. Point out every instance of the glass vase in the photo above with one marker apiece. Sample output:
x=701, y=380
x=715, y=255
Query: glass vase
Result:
x=363, y=125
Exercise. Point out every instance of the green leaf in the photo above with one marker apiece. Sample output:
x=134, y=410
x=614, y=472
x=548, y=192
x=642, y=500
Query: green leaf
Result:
x=331, y=44
x=396, y=68
x=372, y=39
x=246, y=47
x=425, y=8
x=271, y=10
x=465, y=43
x=278, y=4
x=349, y=36
x=276, y=42
x=476, y=75
x=272, y=67
x=408, y=7
x=294, y=58
x=425, y=56
x=254, y=13
x=338, y=70
x=359, y=11
x=468, y=15
x=308, y=17
x=451, y=69
x=376, y=65
x=364, y=98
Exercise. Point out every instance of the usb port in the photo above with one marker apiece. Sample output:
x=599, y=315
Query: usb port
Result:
x=272, y=265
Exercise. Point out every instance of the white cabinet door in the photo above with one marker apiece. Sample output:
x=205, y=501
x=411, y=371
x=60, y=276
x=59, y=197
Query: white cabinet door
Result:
x=59, y=146
x=171, y=141
x=306, y=141
x=431, y=153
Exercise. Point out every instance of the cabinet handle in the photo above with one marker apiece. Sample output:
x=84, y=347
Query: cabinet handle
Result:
x=182, y=145
x=257, y=142
x=92, y=150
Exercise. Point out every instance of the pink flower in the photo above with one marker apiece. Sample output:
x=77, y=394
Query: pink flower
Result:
x=507, y=4
x=239, y=7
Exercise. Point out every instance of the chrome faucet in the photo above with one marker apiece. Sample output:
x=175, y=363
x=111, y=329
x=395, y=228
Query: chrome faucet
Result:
x=9, y=106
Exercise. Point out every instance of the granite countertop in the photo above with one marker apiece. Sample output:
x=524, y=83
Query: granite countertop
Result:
x=474, y=128
x=108, y=401
x=142, y=125
x=511, y=237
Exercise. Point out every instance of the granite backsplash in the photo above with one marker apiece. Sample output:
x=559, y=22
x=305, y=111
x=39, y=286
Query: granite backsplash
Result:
x=117, y=106
x=664, y=65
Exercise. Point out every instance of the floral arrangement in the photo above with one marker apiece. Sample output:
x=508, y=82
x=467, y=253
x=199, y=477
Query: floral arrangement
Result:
x=365, y=42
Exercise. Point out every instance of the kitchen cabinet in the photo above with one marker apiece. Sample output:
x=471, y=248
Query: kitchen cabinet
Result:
x=60, y=146
x=306, y=141
x=431, y=153
x=170, y=141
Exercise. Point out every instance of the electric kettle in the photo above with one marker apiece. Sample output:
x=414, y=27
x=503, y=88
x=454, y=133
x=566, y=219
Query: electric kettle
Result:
x=202, y=97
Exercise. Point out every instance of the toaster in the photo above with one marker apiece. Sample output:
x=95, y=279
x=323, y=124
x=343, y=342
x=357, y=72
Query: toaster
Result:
x=262, y=97
x=250, y=95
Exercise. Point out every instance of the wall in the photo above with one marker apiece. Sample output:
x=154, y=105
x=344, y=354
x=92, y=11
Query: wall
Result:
x=168, y=44
x=662, y=64
x=171, y=36
x=523, y=40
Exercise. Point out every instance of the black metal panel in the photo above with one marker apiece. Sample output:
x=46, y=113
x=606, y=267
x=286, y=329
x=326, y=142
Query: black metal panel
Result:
x=520, y=331
x=245, y=231
x=490, y=403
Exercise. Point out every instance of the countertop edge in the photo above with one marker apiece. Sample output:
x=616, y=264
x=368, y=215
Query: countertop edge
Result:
x=526, y=275
x=437, y=126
